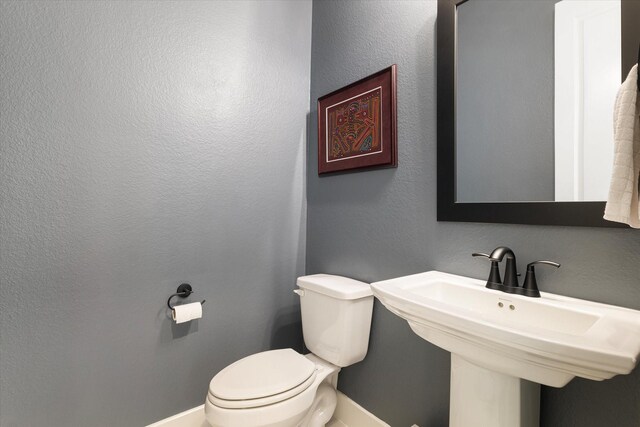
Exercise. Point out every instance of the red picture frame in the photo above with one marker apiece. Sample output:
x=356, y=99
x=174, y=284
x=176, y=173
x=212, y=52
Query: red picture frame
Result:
x=357, y=124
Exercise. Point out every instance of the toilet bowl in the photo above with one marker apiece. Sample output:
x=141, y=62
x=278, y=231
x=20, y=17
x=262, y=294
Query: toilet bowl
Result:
x=284, y=408
x=283, y=388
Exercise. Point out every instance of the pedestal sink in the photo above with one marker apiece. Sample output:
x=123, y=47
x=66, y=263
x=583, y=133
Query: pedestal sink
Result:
x=503, y=346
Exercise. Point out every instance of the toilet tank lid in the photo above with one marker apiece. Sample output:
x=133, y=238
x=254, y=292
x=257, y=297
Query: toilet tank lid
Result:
x=335, y=286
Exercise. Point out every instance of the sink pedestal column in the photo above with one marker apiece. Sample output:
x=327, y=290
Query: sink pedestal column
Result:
x=481, y=397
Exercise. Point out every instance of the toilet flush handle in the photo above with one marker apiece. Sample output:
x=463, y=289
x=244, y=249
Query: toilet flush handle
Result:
x=299, y=292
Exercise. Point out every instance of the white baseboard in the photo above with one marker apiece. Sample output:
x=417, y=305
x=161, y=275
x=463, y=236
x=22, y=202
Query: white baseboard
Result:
x=193, y=417
x=348, y=413
x=353, y=415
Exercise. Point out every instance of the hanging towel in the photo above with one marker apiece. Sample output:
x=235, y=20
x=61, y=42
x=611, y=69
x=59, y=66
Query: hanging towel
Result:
x=622, y=204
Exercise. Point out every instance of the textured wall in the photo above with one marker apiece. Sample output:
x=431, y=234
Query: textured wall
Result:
x=382, y=224
x=145, y=144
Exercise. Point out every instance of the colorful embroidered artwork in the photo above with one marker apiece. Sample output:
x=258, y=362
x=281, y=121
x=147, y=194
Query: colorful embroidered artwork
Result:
x=357, y=125
x=354, y=127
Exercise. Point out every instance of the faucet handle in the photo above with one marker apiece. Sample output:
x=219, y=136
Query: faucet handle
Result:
x=481, y=254
x=530, y=285
x=551, y=263
x=494, y=281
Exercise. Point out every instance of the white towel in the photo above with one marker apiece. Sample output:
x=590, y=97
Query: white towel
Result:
x=622, y=204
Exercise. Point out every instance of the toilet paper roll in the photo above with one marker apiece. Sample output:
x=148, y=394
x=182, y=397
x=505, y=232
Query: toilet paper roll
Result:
x=186, y=312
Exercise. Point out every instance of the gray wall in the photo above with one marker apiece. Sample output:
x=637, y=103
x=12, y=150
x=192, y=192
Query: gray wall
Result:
x=504, y=101
x=145, y=144
x=382, y=224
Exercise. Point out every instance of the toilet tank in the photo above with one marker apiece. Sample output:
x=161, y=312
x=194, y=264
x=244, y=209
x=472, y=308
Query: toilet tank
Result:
x=336, y=317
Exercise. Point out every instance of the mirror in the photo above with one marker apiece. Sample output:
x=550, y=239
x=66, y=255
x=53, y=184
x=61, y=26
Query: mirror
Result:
x=525, y=102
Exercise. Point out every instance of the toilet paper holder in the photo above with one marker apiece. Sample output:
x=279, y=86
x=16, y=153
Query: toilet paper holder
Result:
x=183, y=291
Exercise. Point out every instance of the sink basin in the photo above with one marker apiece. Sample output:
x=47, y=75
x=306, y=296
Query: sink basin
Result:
x=547, y=340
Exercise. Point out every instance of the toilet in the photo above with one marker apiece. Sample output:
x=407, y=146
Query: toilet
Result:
x=283, y=388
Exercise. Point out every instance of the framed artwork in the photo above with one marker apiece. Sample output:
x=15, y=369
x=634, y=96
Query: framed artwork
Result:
x=357, y=125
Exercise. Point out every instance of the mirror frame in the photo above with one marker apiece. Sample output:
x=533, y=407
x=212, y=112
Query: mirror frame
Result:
x=588, y=214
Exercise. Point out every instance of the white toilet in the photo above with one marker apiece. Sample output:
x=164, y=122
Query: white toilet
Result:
x=282, y=388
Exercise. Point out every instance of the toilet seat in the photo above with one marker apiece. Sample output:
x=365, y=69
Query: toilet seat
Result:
x=262, y=379
x=285, y=413
x=268, y=400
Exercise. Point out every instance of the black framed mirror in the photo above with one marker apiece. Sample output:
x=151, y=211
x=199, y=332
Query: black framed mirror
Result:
x=455, y=205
